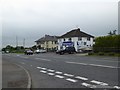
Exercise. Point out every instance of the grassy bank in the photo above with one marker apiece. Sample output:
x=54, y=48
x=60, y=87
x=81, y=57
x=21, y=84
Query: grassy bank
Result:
x=104, y=54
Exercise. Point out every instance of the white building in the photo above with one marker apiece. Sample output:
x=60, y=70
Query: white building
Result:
x=80, y=40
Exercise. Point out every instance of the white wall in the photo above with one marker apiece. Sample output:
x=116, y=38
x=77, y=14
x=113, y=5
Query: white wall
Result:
x=75, y=40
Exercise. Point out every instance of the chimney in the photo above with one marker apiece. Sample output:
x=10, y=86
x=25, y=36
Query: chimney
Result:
x=78, y=28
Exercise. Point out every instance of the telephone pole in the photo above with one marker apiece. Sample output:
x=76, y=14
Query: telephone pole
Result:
x=16, y=41
x=24, y=42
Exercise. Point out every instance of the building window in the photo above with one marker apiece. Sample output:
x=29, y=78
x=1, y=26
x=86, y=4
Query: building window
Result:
x=85, y=43
x=70, y=39
x=59, y=40
x=88, y=38
x=79, y=38
x=52, y=42
x=61, y=47
x=64, y=39
x=55, y=42
x=46, y=46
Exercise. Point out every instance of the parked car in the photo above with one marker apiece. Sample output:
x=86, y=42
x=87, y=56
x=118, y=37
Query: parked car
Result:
x=6, y=52
x=43, y=51
x=40, y=51
x=28, y=52
x=69, y=50
x=37, y=51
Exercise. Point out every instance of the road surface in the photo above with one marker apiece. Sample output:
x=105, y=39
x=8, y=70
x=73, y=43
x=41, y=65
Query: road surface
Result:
x=50, y=70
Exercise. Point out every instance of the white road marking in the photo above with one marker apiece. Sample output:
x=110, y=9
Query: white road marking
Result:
x=105, y=66
x=88, y=85
x=37, y=58
x=43, y=59
x=24, y=57
x=51, y=74
x=69, y=75
x=43, y=71
x=44, y=68
x=117, y=87
x=71, y=80
x=50, y=70
x=18, y=55
x=58, y=76
x=39, y=67
x=22, y=62
x=31, y=65
x=58, y=72
x=98, y=82
x=82, y=78
x=76, y=63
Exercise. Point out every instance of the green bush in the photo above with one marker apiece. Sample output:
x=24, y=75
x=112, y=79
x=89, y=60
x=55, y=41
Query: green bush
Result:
x=101, y=53
x=118, y=55
x=107, y=44
x=90, y=53
x=111, y=54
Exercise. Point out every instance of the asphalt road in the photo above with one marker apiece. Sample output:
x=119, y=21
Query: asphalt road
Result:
x=50, y=70
x=14, y=76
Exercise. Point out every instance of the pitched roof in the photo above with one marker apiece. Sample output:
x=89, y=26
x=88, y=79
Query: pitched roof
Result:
x=75, y=33
x=47, y=38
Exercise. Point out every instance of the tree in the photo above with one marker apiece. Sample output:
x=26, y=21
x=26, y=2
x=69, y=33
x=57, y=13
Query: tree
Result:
x=112, y=32
x=34, y=47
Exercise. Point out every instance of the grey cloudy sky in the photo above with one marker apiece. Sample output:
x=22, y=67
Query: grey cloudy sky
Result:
x=32, y=19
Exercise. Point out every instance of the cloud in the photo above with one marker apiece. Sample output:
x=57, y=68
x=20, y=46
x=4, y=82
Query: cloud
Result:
x=34, y=18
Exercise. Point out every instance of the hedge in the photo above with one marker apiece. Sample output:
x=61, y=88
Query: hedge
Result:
x=107, y=44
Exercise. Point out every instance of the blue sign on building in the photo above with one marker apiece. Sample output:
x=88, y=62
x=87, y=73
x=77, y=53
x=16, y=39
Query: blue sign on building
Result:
x=68, y=43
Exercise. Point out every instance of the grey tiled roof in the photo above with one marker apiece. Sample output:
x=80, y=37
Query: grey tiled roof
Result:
x=47, y=38
x=75, y=33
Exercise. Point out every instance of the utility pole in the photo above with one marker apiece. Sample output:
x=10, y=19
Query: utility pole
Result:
x=118, y=18
x=24, y=42
x=16, y=41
